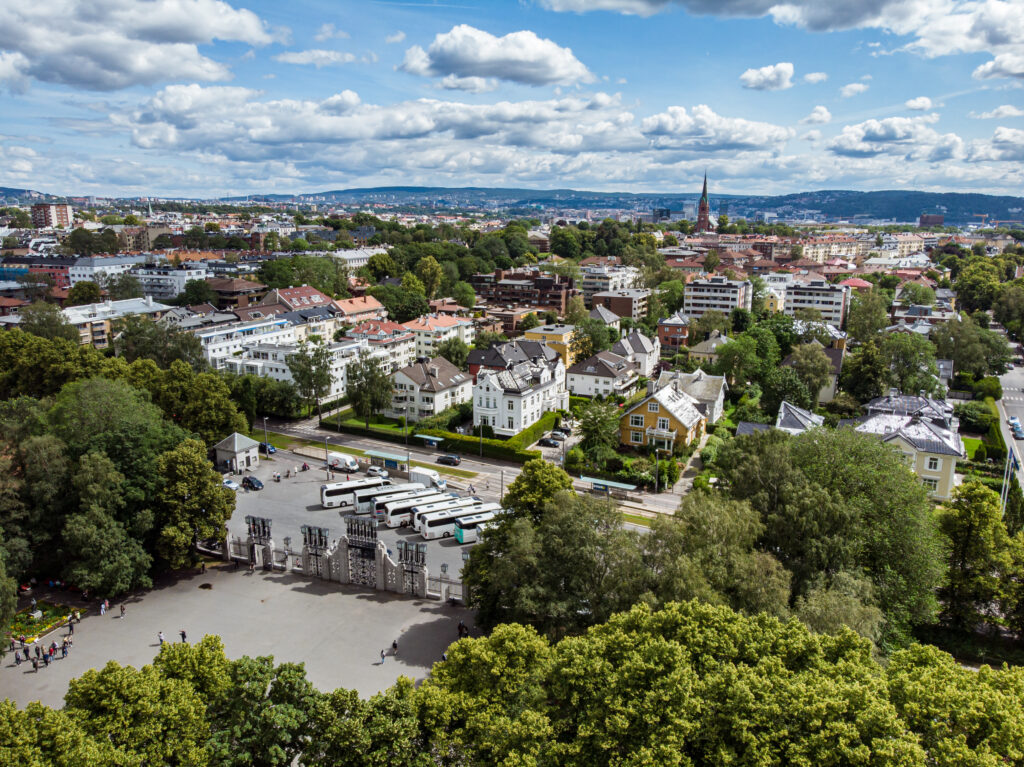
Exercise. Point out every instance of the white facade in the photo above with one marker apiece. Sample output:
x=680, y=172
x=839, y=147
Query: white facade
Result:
x=716, y=294
x=605, y=374
x=431, y=330
x=95, y=269
x=416, y=400
x=167, y=282
x=831, y=300
x=223, y=342
x=512, y=400
x=598, y=279
x=357, y=257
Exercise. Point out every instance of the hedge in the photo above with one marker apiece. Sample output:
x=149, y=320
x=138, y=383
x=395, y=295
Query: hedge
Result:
x=531, y=434
x=995, y=445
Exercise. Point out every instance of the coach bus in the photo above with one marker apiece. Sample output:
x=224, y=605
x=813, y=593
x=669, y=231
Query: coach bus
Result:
x=397, y=513
x=364, y=499
x=339, y=494
x=468, y=529
x=450, y=503
x=441, y=524
x=382, y=500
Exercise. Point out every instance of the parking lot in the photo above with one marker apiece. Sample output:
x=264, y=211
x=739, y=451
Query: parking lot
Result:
x=556, y=455
x=295, y=501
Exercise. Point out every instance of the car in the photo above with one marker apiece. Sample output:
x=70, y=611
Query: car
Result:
x=251, y=483
x=377, y=471
x=230, y=484
x=450, y=460
x=266, y=447
x=1009, y=366
x=548, y=442
x=557, y=435
x=1014, y=421
x=563, y=430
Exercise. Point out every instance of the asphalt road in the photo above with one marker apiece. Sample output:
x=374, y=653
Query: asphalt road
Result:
x=1012, y=403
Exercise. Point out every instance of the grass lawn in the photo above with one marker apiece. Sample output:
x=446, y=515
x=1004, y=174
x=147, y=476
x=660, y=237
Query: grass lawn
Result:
x=971, y=444
x=636, y=519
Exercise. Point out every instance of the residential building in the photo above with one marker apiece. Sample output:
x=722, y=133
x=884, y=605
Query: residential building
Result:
x=233, y=292
x=674, y=331
x=601, y=279
x=512, y=400
x=431, y=330
x=222, y=343
x=831, y=301
x=558, y=337
x=98, y=268
x=511, y=317
x=795, y=420
x=707, y=350
x=529, y=287
x=708, y=390
x=167, y=282
x=427, y=387
x=397, y=342
x=302, y=297
x=919, y=313
x=606, y=317
x=666, y=418
x=361, y=309
x=96, y=323
x=631, y=302
x=505, y=356
x=605, y=374
x=716, y=294
x=49, y=216
x=643, y=352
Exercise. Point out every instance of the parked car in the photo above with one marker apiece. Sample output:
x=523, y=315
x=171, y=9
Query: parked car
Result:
x=266, y=447
x=1018, y=432
x=450, y=460
x=1009, y=366
x=1014, y=421
x=230, y=484
x=377, y=471
x=251, y=483
x=557, y=435
x=567, y=431
x=548, y=442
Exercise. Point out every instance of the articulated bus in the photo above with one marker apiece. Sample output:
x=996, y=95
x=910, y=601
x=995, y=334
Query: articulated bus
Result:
x=364, y=498
x=397, y=513
x=381, y=501
x=441, y=524
x=418, y=512
x=467, y=529
x=337, y=494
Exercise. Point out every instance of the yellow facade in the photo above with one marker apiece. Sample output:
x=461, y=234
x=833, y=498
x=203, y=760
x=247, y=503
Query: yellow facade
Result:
x=936, y=471
x=643, y=426
x=557, y=337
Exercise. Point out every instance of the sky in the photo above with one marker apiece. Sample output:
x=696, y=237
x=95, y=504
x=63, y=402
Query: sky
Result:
x=207, y=98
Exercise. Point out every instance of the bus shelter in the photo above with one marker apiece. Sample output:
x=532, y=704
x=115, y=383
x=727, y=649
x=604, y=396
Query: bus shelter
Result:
x=608, y=487
x=387, y=460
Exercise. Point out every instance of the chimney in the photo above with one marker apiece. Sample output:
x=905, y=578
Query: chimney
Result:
x=650, y=388
x=434, y=371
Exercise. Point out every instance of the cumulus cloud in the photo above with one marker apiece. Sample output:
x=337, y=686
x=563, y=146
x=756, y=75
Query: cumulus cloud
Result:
x=120, y=43
x=1006, y=145
x=815, y=77
x=317, y=57
x=702, y=127
x=774, y=77
x=999, y=113
x=818, y=116
x=910, y=137
x=520, y=57
x=468, y=84
x=852, y=89
x=328, y=32
x=920, y=104
x=396, y=37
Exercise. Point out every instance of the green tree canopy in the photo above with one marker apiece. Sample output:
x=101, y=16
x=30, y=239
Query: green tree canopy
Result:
x=84, y=292
x=369, y=387
x=47, y=321
x=536, y=484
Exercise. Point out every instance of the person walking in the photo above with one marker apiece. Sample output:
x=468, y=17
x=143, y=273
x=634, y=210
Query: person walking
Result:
x=64, y=651
x=78, y=617
x=25, y=652
x=39, y=652
x=160, y=636
x=394, y=648
x=103, y=608
x=71, y=627
x=17, y=659
x=183, y=637
x=35, y=665
x=383, y=655
x=123, y=610
x=46, y=660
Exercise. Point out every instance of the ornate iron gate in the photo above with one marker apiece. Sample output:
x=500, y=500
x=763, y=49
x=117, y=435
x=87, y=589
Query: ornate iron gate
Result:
x=362, y=551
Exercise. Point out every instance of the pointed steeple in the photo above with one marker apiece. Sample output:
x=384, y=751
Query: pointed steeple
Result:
x=704, y=192
x=704, y=209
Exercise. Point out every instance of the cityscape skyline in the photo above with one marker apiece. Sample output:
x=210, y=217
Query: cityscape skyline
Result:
x=204, y=98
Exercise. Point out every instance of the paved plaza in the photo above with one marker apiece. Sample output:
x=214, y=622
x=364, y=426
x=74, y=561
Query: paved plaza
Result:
x=337, y=631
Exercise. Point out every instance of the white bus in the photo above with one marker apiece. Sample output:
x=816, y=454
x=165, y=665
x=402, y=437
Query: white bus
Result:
x=467, y=529
x=336, y=494
x=380, y=501
x=397, y=513
x=441, y=524
x=448, y=503
x=363, y=499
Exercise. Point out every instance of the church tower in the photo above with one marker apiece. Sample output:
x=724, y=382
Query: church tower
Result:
x=704, y=209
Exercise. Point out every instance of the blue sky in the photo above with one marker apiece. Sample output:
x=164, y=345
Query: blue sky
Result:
x=213, y=97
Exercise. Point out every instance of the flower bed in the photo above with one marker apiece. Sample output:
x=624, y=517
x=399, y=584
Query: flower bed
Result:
x=53, y=616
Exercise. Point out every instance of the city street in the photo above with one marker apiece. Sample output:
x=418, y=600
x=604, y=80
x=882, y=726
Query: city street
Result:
x=1012, y=403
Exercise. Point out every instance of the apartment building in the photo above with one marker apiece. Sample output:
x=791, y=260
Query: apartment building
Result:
x=630, y=302
x=433, y=329
x=831, y=300
x=49, y=215
x=512, y=400
x=98, y=268
x=428, y=387
x=166, y=282
x=397, y=341
x=525, y=288
x=558, y=337
x=674, y=331
x=599, y=278
x=362, y=309
x=96, y=323
x=716, y=294
x=606, y=374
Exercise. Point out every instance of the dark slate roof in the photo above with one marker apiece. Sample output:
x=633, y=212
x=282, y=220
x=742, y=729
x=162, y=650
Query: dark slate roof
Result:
x=506, y=355
x=793, y=418
x=603, y=365
x=436, y=374
x=749, y=427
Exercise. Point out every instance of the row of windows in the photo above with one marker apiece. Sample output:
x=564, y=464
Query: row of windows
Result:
x=638, y=420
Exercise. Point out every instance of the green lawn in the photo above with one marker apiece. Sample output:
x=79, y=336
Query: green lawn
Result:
x=971, y=444
x=636, y=519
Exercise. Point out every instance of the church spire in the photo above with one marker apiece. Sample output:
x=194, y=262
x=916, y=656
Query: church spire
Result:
x=704, y=209
x=704, y=192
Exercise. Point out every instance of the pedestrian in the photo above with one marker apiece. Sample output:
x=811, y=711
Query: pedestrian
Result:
x=78, y=617
x=160, y=636
x=64, y=651
x=17, y=659
x=183, y=637
x=462, y=627
x=382, y=656
x=394, y=648
x=103, y=608
x=35, y=665
x=204, y=567
x=106, y=604
x=25, y=651
x=123, y=610
x=444, y=656
x=71, y=628
x=46, y=660
x=39, y=652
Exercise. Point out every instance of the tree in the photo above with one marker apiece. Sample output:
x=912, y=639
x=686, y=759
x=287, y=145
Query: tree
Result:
x=784, y=384
x=413, y=284
x=197, y=292
x=599, y=425
x=139, y=337
x=977, y=284
x=529, y=322
x=463, y=294
x=708, y=322
x=866, y=373
x=911, y=359
x=455, y=351
x=576, y=311
x=369, y=387
x=813, y=367
x=429, y=272
x=711, y=261
x=913, y=293
x=868, y=315
x=485, y=339
x=8, y=590
x=847, y=601
x=192, y=504
x=973, y=349
x=565, y=242
x=82, y=242
x=122, y=286
x=402, y=304
x=738, y=360
x=47, y=321
x=84, y=292
x=536, y=484
x=977, y=555
x=310, y=368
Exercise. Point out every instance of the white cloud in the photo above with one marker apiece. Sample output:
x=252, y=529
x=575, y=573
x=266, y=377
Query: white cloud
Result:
x=920, y=104
x=701, y=127
x=329, y=32
x=999, y=113
x=818, y=116
x=852, y=89
x=120, y=43
x=815, y=77
x=397, y=37
x=774, y=77
x=910, y=137
x=469, y=84
x=519, y=57
x=316, y=57
x=1007, y=145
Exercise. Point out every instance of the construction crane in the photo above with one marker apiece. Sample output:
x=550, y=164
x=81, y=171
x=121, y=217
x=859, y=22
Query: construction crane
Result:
x=996, y=222
x=982, y=216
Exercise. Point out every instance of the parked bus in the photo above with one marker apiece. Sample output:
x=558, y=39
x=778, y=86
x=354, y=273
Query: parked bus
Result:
x=335, y=494
x=363, y=499
x=467, y=529
x=397, y=513
x=380, y=501
x=441, y=524
x=448, y=503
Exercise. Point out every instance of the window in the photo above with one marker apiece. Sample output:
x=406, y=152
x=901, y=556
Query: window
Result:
x=636, y=420
x=931, y=484
x=511, y=423
x=510, y=405
x=652, y=407
x=933, y=464
x=636, y=436
x=663, y=424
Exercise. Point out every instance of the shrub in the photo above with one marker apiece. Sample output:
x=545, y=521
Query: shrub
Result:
x=988, y=387
x=980, y=453
x=975, y=417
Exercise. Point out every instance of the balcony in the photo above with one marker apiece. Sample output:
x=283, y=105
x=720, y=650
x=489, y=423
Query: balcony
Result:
x=653, y=433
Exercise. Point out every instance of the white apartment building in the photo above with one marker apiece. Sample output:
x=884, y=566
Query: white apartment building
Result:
x=600, y=279
x=270, y=360
x=512, y=400
x=433, y=329
x=398, y=343
x=716, y=294
x=357, y=257
x=428, y=387
x=97, y=323
x=221, y=343
x=831, y=300
x=96, y=268
x=165, y=282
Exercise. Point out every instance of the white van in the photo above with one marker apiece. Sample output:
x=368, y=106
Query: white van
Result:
x=342, y=462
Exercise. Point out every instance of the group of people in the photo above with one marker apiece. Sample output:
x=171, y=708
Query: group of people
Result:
x=38, y=655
